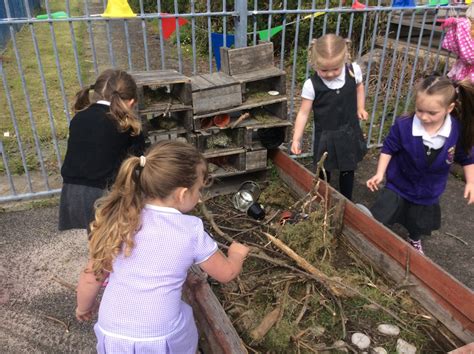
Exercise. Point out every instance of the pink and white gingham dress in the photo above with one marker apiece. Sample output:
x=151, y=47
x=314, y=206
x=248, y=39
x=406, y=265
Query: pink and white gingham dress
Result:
x=458, y=40
x=141, y=309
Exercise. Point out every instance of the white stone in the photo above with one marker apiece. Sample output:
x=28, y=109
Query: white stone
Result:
x=379, y=350
x=360, y=340
x=388, y=329
x=405, y=347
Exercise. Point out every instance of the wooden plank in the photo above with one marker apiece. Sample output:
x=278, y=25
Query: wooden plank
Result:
x=253, y=58
x=225, y=60
x=159, y=77
x=210, y=81
x=249, y=104
x=256, y=159
x=220, y=79
x=223, y=152
x=258, y=74
x=216, y=99
x=453, y=299
x=213, y=323
x=198, y=82
x=161, y=107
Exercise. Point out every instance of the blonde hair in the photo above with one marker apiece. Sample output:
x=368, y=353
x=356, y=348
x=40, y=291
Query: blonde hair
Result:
x=115, y=86
x=461, y=94
x=169, y=165
x=328, y=49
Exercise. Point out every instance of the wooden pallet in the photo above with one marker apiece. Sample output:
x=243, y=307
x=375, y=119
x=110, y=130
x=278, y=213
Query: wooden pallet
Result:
x=213, y=92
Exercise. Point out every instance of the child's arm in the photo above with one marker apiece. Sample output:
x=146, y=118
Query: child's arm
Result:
x=361, y=112
x=374, y=182
x=87, y=291
x=223, y=268
x=300, y=123
x=469, y=189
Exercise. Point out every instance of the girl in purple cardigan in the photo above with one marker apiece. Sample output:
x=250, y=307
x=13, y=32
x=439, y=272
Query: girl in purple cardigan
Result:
x=417, y=155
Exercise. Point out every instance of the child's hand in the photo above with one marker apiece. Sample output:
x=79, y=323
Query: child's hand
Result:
x=296, y=147
x=362, y=114
x=238, y=249
x=448, y=22
x=88, y=314
x=469, y=193
x=373, y=183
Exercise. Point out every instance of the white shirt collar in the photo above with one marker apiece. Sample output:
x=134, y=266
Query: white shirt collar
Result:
x=162, y=208
x=104, y=102
x=337, y=82
x=419, y=130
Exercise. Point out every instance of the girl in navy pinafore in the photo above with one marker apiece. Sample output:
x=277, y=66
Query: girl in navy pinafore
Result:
x=335, y=93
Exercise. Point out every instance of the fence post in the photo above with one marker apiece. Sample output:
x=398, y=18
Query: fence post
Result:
x=240, y=23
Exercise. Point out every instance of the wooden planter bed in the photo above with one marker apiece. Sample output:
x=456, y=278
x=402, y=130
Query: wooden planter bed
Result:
x=445, y=298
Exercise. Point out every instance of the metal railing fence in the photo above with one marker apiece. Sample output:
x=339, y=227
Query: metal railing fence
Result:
x=50, y=59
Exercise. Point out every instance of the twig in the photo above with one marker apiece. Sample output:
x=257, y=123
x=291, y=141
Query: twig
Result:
x=405, y=283
x=207, y=214
x=456, y=237
x=303, y=263
x=240, y=120
x=63, y=283
x=66, y=325
x=305, y=305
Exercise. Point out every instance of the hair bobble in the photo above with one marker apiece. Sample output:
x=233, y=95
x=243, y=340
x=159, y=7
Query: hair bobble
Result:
x=142, y=161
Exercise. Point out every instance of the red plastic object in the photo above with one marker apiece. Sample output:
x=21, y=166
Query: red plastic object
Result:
x=356, y=5
x=222, y=120
x=286, y=215
x=206, y=123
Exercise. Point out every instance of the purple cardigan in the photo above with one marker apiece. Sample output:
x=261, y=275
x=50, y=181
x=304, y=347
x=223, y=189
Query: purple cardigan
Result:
x=408, y=172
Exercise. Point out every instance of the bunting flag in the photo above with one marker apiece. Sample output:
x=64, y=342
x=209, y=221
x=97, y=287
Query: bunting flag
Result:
x=118, y=8
x=265, y=35
x=217, y=42
x=168, y=25
x=316, y=14
x=356, y=5
x=403, y=3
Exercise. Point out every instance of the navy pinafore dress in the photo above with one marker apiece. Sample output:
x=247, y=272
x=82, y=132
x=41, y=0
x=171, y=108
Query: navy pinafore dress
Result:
x=336, y=126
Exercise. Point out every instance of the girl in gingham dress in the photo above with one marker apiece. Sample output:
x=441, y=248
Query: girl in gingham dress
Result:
x=142, y=237
x=459, y=39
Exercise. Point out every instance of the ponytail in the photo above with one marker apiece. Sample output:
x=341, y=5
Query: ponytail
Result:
x=117, y=218
x=465, y=113
x=82, y=99
x=123, y=114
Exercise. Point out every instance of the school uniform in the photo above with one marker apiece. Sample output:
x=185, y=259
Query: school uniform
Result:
x=417, y=173
x=336, y=125
x=95, y=151
x=142, y=310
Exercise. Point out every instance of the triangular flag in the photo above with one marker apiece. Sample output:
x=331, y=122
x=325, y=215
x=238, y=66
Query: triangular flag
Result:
x=265, y=35
x=118, y=8
x=168, y=25
x=217, y=42
x=316, y=14
x=356, y=5
x=54, y=15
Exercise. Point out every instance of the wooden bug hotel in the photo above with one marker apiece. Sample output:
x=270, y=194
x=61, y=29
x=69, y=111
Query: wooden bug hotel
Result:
x=233, y=116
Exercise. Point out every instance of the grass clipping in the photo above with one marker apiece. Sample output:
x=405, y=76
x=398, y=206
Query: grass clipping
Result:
x=278, y=306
